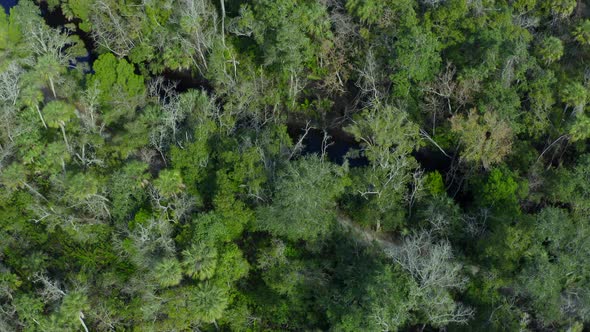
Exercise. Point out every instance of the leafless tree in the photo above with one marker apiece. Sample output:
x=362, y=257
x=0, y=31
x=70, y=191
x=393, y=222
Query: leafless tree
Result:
x=235, y=25
x=432, y=3
x=56, y=43
x=84, y=152
x=475, y=224
x=151, y=240
x=53, y=48
x=10, y=83
x=390, y=175
x=106, y=318
x=9, y=128
x=525, y=20
x=370, y=78
x=172, y=109
x=440, y=94
x=335, y=56
x=198, y=19
x=296, y=84
x=432, y=265
x=298, y=147
x=110, y=30
x=89, y=113
x=172, y=209
x=51, y=290
x=576, y=302
x=417, y=185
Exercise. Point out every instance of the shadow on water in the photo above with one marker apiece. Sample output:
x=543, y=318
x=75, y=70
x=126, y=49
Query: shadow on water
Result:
x=433, y=160
x=186, y=80
x=339, y=144
x=56, y=19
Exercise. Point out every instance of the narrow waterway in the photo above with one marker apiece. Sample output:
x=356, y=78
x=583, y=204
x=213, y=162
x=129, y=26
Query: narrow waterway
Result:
x=339, y=144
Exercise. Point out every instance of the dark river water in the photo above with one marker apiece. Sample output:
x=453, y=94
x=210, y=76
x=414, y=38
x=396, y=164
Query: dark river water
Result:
x=340, y=142
x=7, y=4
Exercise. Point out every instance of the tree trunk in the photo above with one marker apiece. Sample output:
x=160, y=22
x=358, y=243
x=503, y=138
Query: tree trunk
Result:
x=41, y=116
x=33, y=190
x=81, y=317
x=222, y=21
x=52, y=87
x=63, y=131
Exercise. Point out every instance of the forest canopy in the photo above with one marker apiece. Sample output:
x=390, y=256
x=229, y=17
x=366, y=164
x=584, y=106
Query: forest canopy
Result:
x=295, y=165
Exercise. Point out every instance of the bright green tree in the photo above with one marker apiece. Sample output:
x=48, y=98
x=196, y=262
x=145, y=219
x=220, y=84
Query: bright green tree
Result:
x=120, y=88
x=582, y=33
x=550, y=49
x=200, y=261
x=168, y=272
x=574, y=94
x=304, y=201
x=486, y=139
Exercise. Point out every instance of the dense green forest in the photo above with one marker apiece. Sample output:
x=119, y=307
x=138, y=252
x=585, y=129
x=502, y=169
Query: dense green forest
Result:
x=295, y=165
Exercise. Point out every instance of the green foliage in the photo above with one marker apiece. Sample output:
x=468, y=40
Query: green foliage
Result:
x=80, y=9
x=169, y=183
x=73, y=306
x=127, y=189
x=232, y=266
x=486, y=139
x=387, y=137
x=28, y=309
x=382, y=12
x=573, y=94
x=384, y=129
x=10, y=35
x=167, y=188
x=582, y=33
x=304, y=201
x=557, y=271
x=289, y=32
x=168, y=272
x=560, y=8
x=58, y=113
x=199, y=304
x=416, y=60
x=550, y=49
x=193, y=160
x=580, y=129
x=502, y=190
x=13, y=177
x=200, y=261
x=434, y=183
x=209, y=302
x=542, y=98
x=81, y=187
x=568, y=185
x=119, y=87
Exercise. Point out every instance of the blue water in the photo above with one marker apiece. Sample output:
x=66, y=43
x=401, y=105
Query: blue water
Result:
x=7, y=4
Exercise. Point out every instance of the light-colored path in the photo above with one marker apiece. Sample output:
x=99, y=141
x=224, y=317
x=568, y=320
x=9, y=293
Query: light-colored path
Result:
x=368, y=236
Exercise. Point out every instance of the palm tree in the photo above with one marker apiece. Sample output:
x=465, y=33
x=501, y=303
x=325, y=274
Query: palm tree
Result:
x=31, y=96
x=208, y=302
x=49, y=68
x=200, y=261
x=57, y=114
x=168, y=272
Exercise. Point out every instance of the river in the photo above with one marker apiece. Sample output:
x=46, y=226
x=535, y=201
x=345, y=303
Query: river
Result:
x=340, y=143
